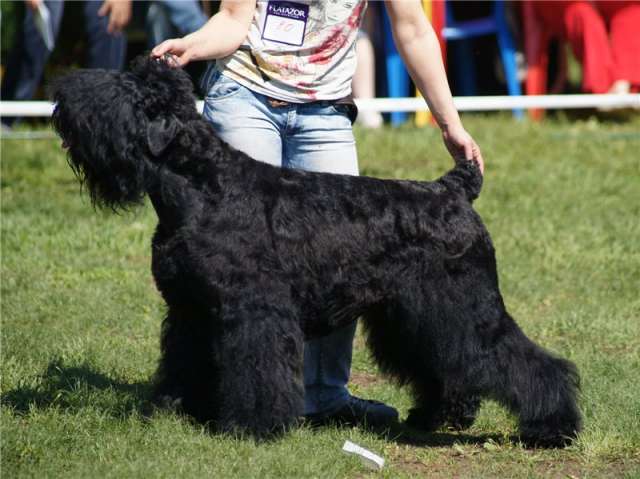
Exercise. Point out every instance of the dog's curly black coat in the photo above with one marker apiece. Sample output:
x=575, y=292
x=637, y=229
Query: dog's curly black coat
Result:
x=252, y=259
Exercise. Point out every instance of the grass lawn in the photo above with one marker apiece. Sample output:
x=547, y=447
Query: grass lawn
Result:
x=81, y=318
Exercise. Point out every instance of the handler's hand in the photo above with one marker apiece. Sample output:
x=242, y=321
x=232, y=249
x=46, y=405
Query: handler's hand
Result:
x=33, y=4
x=178, y=48
x=119, y=12
x=461, y=146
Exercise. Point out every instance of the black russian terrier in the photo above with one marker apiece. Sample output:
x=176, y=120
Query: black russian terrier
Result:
x=252, y=259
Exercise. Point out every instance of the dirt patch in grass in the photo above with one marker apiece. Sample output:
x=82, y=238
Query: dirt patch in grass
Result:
x=364, y=380
x=480, y=461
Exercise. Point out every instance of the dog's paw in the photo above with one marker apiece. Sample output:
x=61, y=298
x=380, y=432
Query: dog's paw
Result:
x=546, y=436
x=460, y=414
x=171, y=403
x=547, y=441
x=456, y=414
x=423, y=419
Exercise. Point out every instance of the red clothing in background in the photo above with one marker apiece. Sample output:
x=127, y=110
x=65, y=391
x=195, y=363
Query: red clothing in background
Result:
x=604, y=36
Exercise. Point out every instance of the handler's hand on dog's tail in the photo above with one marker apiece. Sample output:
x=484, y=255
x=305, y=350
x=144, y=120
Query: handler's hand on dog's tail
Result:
x=461, y=146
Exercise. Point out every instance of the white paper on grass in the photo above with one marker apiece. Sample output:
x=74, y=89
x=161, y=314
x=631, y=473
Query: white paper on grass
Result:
x=368, y=458
x=43, y=25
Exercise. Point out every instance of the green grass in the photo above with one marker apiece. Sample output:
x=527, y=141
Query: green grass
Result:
x=81, y=317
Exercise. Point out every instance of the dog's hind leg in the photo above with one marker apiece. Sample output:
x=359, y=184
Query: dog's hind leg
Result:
x=186, y=376
x=398, y=342
x=482, y=351
x=538, y=387
x=453, y=411
x=260, y=353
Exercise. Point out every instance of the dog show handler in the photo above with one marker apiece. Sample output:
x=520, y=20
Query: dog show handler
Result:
x=278, y=87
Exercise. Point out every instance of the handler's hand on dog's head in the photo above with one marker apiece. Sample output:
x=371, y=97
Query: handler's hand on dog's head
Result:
x=175, y=49
x=461, y=146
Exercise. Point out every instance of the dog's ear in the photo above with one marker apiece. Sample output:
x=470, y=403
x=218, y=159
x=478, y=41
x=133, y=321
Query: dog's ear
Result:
x=161, y=132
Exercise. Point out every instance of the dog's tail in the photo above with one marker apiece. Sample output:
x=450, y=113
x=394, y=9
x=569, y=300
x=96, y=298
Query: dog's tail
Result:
x=466, y=178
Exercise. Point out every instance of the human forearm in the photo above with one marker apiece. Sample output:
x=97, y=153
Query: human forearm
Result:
x=218, y=38
x=119, y=12
x=418, y=45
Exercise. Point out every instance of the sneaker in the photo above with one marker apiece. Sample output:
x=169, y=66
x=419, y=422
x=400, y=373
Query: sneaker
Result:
x=619, y=87
x=357, y=412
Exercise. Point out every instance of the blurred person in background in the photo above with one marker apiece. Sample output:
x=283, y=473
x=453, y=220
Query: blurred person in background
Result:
x=364, y=78
x=104, y=23
x=604, y=36
x=169, y=18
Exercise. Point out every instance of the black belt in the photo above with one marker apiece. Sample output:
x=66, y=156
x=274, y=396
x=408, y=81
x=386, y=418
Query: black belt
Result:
x=345, y=105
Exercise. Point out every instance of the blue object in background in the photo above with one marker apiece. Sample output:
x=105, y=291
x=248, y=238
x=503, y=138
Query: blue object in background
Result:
x=170, y=18
x=462, y=31
x=397, y=75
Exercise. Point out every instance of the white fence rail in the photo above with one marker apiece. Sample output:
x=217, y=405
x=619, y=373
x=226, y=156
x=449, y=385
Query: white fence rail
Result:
x=386, y=105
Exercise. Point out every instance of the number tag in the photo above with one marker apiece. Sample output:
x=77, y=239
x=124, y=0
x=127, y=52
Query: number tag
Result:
x=285, y=22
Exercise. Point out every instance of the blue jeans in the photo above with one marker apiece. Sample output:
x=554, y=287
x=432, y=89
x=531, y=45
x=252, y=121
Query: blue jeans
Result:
x=170, y=18
x=311, y=136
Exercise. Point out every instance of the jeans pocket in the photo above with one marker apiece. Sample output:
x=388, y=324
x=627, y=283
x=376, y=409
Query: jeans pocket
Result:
x=220, y=87
x=343, y=109
x=347, y=109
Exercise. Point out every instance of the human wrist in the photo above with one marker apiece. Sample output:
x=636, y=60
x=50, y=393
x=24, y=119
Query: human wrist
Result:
x=444, y=113
x=449, y=126
x=192, y=39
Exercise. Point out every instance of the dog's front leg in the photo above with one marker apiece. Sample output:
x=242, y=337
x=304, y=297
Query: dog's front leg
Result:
x=261, y=389
x=186, y=376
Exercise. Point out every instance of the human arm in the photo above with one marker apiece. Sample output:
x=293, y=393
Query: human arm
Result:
x=33, y=4
x=219, y=37
x=418, y=45
x=119, y=12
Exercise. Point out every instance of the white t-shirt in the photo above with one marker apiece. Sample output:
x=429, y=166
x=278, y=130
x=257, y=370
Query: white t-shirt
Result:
x=299, y=51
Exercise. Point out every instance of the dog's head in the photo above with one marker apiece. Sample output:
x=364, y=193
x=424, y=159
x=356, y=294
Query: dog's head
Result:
x=116, y=125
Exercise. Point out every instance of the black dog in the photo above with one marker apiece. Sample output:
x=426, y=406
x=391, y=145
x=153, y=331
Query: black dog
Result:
x=252, y=259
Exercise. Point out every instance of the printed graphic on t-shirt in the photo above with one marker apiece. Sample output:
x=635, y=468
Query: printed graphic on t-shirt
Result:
x=299, y=50
x=337, y=11
x=285, y=22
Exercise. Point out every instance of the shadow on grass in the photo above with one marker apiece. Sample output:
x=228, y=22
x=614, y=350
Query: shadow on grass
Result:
x=402, y=434
x=77, y=387
x=72, y=388
x=405, y=435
